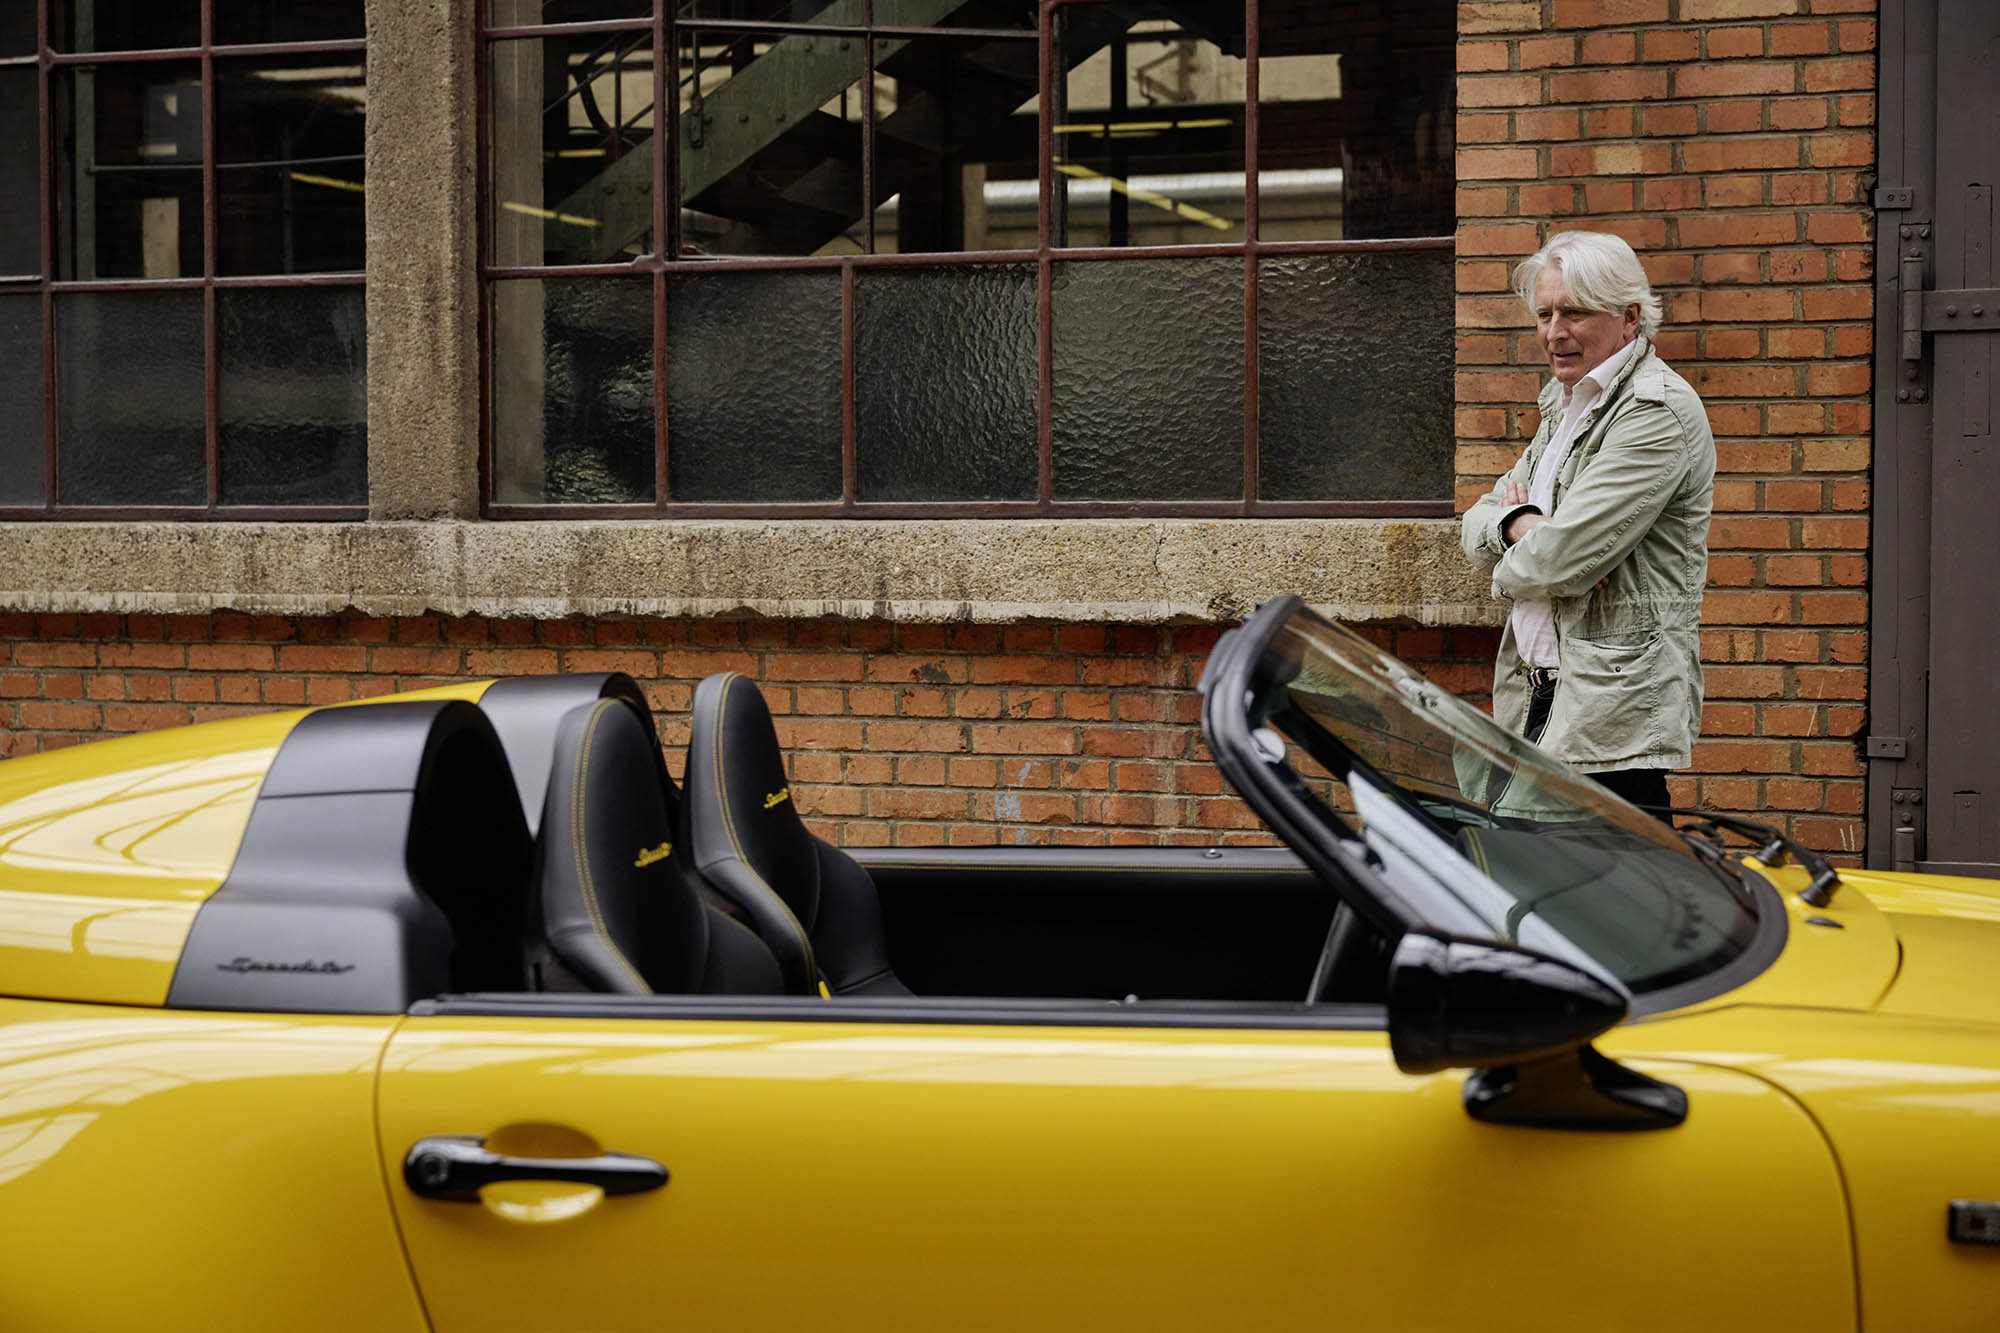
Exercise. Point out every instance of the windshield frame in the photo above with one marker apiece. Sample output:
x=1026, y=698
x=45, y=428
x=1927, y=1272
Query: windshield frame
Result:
x=1397, y=893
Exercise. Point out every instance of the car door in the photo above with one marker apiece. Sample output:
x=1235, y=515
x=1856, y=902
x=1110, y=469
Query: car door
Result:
x=950, y=1170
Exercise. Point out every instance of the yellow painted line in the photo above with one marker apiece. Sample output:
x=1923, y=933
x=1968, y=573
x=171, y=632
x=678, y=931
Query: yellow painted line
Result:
x=549, y=215
x=1144, y=196
x=331, y=183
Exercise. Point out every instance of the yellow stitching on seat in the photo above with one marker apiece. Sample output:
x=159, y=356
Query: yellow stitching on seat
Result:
x=736, y=845
x=576, y=804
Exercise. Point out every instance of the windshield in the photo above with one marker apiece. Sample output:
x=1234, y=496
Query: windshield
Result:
x=1501, y=833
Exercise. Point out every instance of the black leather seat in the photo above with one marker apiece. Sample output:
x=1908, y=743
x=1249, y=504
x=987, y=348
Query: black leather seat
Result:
x=620, y=911
x=814, y=908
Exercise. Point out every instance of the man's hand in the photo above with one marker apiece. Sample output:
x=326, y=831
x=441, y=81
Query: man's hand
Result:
x=1514, y=493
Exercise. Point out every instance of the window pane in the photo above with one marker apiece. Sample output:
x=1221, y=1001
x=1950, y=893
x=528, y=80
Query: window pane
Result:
x=1149, y=379
x=1149, y=140
x=239, y=22
x=521, y=13
x=123, y=25
x=945, y=384
x=573, y=390
x=1355, y=121
x=572, y=165
x=129, y=398
x=129, y=148
x=753, y=380
x=289, y=181
x=17, y=30
x=770, y=143
x=20, y=172
x=23, y=472
x=1355, y=358
x=897, y=13
x=294, y=395
x=953, y=115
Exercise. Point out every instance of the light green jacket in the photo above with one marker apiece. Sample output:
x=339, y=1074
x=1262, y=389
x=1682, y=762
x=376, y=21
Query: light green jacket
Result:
x=1632, y=505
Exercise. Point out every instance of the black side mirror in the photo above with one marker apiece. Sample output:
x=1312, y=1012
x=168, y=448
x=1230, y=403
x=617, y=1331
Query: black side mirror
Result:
x=1524, y=1021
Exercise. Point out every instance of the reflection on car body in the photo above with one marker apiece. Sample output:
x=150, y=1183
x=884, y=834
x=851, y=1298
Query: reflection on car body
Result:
x=451, y=1011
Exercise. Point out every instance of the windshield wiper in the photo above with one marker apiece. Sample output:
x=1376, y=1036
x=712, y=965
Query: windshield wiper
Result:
x=1774, y=848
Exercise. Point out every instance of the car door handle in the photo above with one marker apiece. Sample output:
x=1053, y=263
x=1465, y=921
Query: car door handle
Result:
x=453, y=1167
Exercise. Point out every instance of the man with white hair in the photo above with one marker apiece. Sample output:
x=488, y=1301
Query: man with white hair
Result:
x=1599, y=533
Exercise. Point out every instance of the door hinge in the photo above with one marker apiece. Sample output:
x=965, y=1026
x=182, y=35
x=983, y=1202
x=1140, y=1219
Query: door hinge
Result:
x=1888, y=747
x=1891, y=197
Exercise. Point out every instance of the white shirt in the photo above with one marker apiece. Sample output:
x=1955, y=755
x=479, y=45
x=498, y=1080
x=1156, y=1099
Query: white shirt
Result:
x=1535, y=622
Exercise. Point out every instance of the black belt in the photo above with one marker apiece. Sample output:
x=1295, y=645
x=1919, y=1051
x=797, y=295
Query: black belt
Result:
x=1540, y=678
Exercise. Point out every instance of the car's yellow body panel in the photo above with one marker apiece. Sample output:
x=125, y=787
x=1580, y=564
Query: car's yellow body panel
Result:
x=1911, y=1107
x=108, y=850
x=1845, y=965
x=849, y=1176
x=166, y=1170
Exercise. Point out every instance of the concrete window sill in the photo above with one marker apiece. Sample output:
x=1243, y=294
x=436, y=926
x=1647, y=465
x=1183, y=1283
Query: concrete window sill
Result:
x=1138, y=571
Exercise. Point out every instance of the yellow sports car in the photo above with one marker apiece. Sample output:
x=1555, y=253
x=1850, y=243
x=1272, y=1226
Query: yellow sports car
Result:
x=451, y=1012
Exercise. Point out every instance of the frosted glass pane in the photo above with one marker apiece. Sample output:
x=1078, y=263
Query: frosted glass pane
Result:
x=294, y=396
x=753, y=387
x=23, y=395
x=1355, y=355
x=129, y=396
x=1149, y=379
x=573, y=391
x=945, y=384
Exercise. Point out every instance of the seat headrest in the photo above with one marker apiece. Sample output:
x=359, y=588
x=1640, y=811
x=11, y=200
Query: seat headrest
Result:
x=741, y=803
x=617, y=909
x=525, y=712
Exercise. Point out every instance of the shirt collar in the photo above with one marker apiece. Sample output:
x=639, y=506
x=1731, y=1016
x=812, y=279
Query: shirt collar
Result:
x=1599, y=377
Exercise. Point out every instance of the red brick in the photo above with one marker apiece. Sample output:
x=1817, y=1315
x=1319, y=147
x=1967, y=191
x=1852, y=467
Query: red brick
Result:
x=1842, y=75
x=1799, y=113
x=1733, y=80
x=1617, y=85
x=1541, y=52
x=1608, y=13
x=1800, y=39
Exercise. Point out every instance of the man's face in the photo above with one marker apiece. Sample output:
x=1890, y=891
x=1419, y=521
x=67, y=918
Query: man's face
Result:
x=1577, y=341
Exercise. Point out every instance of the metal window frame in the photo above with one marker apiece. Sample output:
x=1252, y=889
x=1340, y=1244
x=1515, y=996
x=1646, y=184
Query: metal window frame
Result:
x=1044, y=256
x=48, y=286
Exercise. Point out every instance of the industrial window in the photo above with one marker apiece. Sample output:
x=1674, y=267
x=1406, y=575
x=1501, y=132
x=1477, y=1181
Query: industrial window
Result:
x=181, y=328
x=944, y=257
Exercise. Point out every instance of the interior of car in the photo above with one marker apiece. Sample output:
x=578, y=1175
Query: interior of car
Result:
x=537, y=843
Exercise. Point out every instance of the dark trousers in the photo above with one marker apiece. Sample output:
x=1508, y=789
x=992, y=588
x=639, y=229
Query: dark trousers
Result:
x=1640, y=786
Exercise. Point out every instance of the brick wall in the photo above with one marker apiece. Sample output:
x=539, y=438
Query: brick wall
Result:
x=906, y=735
x=1731, y=142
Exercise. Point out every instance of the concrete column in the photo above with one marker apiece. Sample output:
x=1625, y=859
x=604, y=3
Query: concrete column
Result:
x=423, y=257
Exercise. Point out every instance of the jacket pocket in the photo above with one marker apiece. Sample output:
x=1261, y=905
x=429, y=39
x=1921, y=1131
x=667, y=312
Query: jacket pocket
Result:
x=1608, y=700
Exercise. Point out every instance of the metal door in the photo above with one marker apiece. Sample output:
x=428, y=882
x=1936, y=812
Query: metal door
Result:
x=1934, y=734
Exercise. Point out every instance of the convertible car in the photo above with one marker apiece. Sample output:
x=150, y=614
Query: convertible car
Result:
x=452, y=1011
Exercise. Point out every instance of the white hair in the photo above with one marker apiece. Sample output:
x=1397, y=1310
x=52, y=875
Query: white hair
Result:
x=1599, y=272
